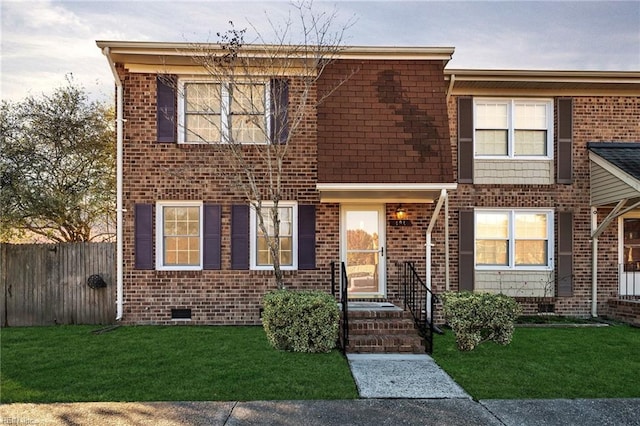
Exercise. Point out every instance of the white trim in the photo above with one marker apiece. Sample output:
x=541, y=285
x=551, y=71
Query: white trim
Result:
x=511, y=103
x=160, y=235
x=253, y=234
x=382, y=248
x=224, y=109
x=511, y=240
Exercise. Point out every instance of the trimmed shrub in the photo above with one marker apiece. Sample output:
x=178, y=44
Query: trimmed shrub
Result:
x=479, y=317
x=301, y=321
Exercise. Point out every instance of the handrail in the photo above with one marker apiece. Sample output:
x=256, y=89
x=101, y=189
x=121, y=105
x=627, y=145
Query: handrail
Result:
x=420, y=301
x=344, y=299
x=344, y=302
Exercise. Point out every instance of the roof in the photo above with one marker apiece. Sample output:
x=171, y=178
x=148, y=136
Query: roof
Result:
x=625, y=156
x=169, y=53
x=542, y=82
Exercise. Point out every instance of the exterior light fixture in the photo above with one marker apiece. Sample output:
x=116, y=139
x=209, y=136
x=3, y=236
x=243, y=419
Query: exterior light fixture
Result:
x=401, y=214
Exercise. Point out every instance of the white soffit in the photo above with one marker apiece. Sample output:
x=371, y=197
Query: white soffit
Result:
x=382, y=192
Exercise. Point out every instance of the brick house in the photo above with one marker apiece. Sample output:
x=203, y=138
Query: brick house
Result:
x=484, y=180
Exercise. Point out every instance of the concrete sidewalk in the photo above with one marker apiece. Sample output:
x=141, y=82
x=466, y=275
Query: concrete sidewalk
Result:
x=442, y=412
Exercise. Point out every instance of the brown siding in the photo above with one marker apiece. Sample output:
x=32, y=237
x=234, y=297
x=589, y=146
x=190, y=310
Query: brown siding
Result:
x=386, y=124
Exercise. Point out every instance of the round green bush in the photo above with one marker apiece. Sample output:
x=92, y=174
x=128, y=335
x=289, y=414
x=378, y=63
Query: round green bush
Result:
x=301, y=321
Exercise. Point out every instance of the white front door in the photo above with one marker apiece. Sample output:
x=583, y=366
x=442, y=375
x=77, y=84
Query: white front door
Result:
x=362, y=249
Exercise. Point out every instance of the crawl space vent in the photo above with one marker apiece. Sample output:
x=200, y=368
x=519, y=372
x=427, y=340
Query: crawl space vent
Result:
x=180, y=314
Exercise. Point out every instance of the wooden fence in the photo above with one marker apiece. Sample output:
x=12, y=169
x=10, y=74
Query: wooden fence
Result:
x=46, y=284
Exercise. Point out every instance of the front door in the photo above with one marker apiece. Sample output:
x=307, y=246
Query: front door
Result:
x=362, y=234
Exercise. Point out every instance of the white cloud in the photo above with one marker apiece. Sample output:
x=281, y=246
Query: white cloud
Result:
x=44, y=40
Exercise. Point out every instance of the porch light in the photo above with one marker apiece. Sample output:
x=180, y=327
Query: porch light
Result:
x=401, y=214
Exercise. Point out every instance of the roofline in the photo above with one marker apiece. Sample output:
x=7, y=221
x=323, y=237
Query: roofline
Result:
x=555, y=76
x=145, y=48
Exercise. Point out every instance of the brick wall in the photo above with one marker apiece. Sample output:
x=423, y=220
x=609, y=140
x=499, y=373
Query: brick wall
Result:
x=595, y=119
x=168, y=171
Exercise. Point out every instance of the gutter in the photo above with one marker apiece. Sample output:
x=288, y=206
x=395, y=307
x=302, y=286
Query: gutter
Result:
x=119, y=203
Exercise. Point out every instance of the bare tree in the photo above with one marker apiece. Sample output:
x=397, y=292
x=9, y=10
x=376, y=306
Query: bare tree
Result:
x=255, y=100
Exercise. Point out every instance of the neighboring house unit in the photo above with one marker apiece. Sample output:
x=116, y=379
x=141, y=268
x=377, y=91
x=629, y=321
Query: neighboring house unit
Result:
x=485, y=180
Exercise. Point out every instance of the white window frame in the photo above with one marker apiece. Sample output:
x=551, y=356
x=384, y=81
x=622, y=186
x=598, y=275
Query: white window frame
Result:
x=224, y=110
x=160, y=266
x=253, y=235
x=511, y=102
x=511, y=266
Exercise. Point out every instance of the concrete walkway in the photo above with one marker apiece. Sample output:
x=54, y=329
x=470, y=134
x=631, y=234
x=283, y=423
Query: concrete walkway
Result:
x=402, y=376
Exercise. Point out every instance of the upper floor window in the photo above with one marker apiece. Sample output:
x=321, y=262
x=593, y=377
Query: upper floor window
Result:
x=261, y=256
x=222, y=112
x=179, y=235
x=520, y=239
x=512, y=128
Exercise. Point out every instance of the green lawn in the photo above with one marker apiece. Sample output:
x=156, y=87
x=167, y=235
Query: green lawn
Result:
x=548, y=363
x=153, y=363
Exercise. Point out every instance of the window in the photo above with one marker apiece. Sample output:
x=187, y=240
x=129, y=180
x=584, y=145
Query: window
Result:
x=520, y=239
x=179, y=236
x=631, y=244
x=214, y=112
x=261, y=257
x=513, y=128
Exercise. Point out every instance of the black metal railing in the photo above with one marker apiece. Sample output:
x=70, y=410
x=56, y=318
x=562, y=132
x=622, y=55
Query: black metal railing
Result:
x=344, y=331
x=420, y=301
x=629, y=281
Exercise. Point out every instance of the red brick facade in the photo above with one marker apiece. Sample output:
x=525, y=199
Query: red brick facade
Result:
x=388, y=123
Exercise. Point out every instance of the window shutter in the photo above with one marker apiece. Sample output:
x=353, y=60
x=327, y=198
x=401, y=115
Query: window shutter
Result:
x=143, y=236
x=565, y=138
x=565, y=254
x=465, y=140
x=466, y=258
x=166, y=108
x=306, y=237
x=240, y=237
x=279, y=117
x=212, y=237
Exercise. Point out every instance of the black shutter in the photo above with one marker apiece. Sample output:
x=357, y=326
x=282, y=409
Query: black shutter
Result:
x=240, y=237
x=279, y=122
x=565, y=138
x=212, y=237
x=466, y=243
x=307, y=237
x=565, y=254
x=143, y=236
x=166, y=108
x=465, y=140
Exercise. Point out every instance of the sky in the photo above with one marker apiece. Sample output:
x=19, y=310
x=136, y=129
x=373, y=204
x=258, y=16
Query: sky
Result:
x=44, y=41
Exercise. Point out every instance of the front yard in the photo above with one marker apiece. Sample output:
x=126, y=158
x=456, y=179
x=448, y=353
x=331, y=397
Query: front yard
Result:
x=153, y=363
x=548, y=363
x=188, y=363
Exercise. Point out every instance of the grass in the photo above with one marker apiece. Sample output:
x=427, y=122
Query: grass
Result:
x=548, y=363
x=153, y=363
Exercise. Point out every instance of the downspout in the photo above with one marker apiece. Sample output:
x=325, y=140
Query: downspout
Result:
x=594, y=262
x=452, y=80
x=119, y=203
x=432, y=222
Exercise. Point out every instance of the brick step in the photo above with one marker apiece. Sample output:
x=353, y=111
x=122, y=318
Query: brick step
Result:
x=383, y=331
x=376, y=327
x=386, y=344
x=378, y=314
